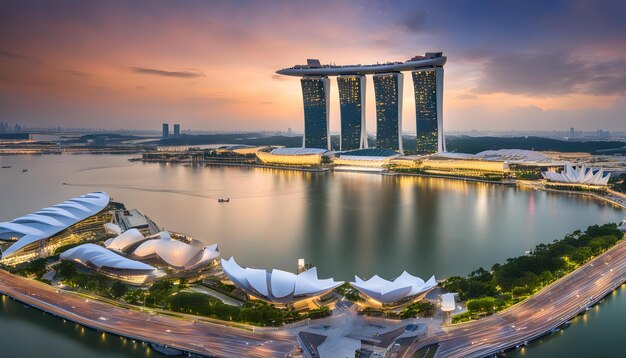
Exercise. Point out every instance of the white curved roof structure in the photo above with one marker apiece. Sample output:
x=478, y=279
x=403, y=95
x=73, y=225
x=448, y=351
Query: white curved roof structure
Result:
x=98, y=257
x=278, y=286
x=176, y=254
x=125, y=240
x=580, y=175
x=47, y=222
x=514, y=156
x=388, y=292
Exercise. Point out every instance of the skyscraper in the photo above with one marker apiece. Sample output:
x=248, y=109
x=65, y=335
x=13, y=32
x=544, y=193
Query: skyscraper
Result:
x=166, y=131
x=388, y=93
x=428, y=85
x=176, y=130
x=316, y=108
x=352, y=107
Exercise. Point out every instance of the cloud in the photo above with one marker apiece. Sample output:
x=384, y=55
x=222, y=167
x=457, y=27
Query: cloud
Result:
x=278, y=77
x=467, y=96
x=164, y=73
x=551, y=73
x=416, y=21
x=77, y=73
x=11, y=55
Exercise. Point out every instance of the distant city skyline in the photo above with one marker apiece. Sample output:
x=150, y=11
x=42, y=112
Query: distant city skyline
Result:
x=210, y=66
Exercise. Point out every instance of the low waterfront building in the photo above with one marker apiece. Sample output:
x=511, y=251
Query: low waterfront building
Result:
x=108, y=263
x=515, y=163
x=278, y=286
x=369, y=159
x=580, y=175
x=405, y=288
x=39, y=234
x=292, y=156
x=174, y=254
x=133, y=219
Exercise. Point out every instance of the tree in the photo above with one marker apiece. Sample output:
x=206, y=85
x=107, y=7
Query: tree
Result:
x=118, y=289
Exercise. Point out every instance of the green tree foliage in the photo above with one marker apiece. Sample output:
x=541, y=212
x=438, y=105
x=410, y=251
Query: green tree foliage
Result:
x=522, y=276
x=118, y=289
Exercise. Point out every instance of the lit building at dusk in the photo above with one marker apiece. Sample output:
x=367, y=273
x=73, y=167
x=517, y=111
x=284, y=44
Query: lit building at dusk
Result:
x=39, y=234
x=278, y=286
x=404, y=288
x=108, y=263
x=427, y=73
x=316, y=109
x=352, y=107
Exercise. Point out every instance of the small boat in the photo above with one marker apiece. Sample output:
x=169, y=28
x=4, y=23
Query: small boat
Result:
x=6, y=166
x=24, y=170
x=223, y=200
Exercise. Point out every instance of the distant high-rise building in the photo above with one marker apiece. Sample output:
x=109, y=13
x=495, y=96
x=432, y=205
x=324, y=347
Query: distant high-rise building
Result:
x=572, y=133
x=428, y=85
x=176, y=130
x=388, y=93
x=316, y=108
x=352, y=107
x=166, y=131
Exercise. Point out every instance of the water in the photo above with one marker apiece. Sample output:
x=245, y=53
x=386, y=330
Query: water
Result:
x=344, y=223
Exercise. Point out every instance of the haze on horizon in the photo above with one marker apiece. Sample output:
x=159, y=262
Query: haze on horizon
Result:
x=210, y=65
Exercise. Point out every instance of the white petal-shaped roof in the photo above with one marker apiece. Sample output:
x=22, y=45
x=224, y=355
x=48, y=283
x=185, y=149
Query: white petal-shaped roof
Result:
x=176, y=254
x=125, y=240
x=278, y=286
x=47, y=222
x=385, y=291
x=100, y=257
x=580, y=175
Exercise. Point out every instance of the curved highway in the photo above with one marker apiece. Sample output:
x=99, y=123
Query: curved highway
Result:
x=534, y=317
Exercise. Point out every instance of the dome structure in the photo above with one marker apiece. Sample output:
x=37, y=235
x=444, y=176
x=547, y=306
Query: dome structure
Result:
x=125, y=240
x=278, y=286
x=176, y=254
x=580, y=175
x=47, y=222
x=108, y=263
x=389, y=292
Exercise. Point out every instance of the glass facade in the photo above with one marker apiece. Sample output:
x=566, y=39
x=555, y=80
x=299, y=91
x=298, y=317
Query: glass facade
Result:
x=315, y=97
x=388, y=93
x=352, y=107
x=427, y=108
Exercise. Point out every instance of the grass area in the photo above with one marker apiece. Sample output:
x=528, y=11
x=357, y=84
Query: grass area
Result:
x=518, y=278
x=415, y=309
x=426, y=352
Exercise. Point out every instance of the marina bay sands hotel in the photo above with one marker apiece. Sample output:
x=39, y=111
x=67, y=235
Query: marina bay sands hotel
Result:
x=427, y=73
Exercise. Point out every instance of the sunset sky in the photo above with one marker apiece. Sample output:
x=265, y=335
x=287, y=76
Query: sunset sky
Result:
x=210, y=65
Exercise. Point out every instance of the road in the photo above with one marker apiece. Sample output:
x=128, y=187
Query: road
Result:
x=187, y=335
x=534, y=317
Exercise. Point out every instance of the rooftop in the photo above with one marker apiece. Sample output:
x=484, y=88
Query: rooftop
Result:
x=315, y=68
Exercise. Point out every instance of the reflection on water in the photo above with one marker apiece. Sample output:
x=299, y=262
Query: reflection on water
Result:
x=27, y=332
x=345, y=223
x=598, y=333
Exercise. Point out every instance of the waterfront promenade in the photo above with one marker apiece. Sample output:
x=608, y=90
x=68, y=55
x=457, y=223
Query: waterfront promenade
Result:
x=534, y=317
x=187, y=335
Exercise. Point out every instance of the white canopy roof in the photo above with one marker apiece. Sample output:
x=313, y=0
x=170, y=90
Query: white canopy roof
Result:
x=176, y=254
x=125, y=240
x=384, y=291
x=580, y=175
x=299, y=151
x=98, y=256
x=47, y=222
x=278, y=286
